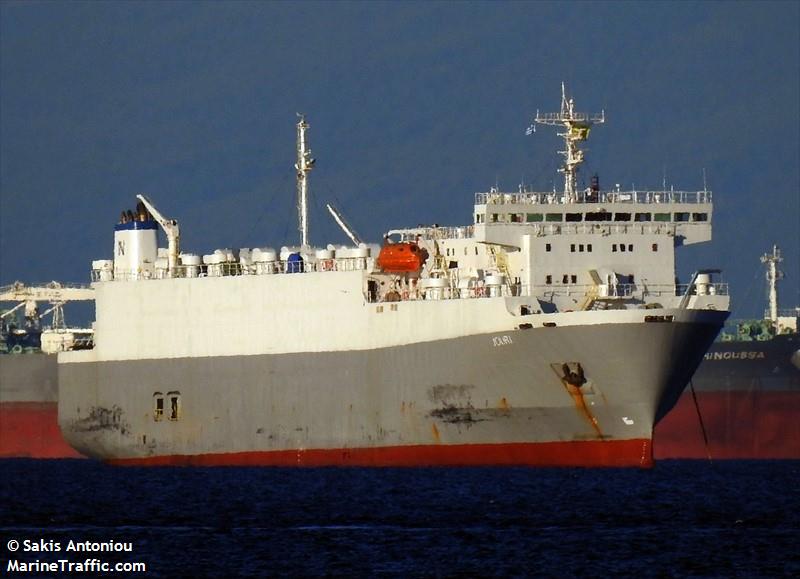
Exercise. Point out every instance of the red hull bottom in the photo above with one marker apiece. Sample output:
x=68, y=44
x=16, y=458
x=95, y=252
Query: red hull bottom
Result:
x=623, y=453
x=739, y=425
x=30, y=430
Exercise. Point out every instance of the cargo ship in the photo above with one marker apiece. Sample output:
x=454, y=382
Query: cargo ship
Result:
x=746, y=402
x=29, y=368
x=548, y=331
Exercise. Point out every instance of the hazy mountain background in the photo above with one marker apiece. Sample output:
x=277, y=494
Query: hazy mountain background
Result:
x=413, y=108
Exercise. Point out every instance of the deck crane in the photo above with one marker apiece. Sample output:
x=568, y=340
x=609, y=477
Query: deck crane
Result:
x=348, y=230
x=172, y=231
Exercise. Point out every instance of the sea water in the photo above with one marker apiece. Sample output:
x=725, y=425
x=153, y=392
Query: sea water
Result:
x=681, y=518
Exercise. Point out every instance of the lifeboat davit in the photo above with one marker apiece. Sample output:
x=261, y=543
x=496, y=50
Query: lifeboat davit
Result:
x=403, y=257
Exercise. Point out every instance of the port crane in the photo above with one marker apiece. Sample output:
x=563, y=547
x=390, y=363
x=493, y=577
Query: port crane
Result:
x=55, y=293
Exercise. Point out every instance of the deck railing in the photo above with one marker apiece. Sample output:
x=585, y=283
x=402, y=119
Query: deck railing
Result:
x=228, y=269
x=553, y=198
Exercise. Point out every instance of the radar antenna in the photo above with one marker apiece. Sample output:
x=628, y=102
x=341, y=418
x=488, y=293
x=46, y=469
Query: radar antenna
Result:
x=304, y=164
x=773, y=275
x=577, y=126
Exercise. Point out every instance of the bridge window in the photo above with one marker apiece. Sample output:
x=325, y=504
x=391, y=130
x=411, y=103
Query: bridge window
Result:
x=699, y=216
x=548, y=280
x=614, y=248
x=589, y=248
x=534, y=217
x=574, y=216
x=565, y=279
x=598, y=216
x=655, y=247
x=681, y=217
x=574, y=278
x=622, y=247
x=622, y=216
x=572, y=247
x=548, y=247
x=554, y=217
x=643, y=217
x=580, y=248
x=630, y=247
x=661, y=217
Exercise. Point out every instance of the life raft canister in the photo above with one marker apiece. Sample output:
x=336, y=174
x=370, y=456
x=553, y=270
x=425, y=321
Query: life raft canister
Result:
x=403, y=257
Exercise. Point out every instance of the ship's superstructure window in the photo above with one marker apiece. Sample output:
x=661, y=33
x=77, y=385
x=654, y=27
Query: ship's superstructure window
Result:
x=572, y=247
x=534, y=217
x=681, y=217
x=548, y=247
x=661, y=217
x=158, y=406
x=580, y=248
x=643, y=217
x=493, y=218
x=622, y=216
x=574, y=216
x=554, y=217
x=548, y=280
x=516, y=217
x=699, y=216
x=622, y=247
x=573, y=278
x=565, y=279
x=174, y=405
x=655, y=247
x=614, y=248
x=589, y=248
x=630, y=247
x=598, y=216
x=480, y=217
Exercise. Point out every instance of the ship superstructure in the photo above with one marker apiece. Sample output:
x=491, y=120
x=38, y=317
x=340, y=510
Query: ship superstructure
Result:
x=549, y=331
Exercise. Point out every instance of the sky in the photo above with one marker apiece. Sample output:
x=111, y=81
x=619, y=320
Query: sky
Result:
x=413, y=107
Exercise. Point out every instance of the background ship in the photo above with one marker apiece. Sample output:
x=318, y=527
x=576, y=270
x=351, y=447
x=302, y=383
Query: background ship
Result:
x=550, y=331
x=29, y=368
x=747, y=390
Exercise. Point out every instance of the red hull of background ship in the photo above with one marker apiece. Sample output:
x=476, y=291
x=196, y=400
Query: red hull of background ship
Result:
x=29, y=408
x=748, y=395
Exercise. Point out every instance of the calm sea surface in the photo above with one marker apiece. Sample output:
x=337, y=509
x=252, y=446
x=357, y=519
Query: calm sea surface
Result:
x=683, y=518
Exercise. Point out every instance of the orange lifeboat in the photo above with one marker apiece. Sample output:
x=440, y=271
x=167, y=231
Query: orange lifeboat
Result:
x=403, y=257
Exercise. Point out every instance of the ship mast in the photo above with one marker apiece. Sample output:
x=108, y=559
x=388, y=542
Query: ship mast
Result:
x=304, y=164
x=773, y=275
x=577, y=126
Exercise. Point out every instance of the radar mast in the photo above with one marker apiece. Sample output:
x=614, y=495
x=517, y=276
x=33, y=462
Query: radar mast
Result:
x=773, y=275
x=577, y=126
